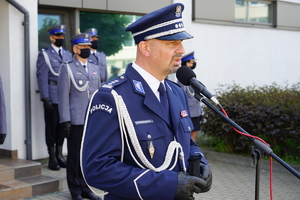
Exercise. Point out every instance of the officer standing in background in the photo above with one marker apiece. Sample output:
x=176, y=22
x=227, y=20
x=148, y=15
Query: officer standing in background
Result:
x=98, y=57
x=194, y=105
x=114, y=72
x=48, y=64
x=137, y=142
x=78, y=80
x=3, y=125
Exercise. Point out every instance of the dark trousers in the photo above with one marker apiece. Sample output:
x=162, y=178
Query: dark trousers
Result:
x=76, y=183
x=53, y=135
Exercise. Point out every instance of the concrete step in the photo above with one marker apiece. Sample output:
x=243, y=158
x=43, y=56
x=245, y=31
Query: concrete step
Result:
x=20, y=179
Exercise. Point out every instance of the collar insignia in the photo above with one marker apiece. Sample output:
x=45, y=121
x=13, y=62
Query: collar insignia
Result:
x=138, y=86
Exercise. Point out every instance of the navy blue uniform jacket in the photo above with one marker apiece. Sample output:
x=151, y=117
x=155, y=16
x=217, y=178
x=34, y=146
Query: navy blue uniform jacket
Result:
x=102, y=144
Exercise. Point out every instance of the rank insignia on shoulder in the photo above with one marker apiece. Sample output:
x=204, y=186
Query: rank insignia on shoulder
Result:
x=138, y=86
x=184, y=113
x=110, y=84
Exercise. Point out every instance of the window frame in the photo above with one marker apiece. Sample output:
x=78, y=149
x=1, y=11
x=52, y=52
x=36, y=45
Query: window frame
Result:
x=260, y=24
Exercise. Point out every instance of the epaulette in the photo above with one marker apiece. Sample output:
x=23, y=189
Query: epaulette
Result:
x=44, y=49
x=109, y=85
x=67, y=61
x=168, y=80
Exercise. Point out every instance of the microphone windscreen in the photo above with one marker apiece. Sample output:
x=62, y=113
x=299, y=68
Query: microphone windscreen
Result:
x=184, y=75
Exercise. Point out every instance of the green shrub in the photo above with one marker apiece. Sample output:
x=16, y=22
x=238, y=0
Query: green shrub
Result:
x=270, y=112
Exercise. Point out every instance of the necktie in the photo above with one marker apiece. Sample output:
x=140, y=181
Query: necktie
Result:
x=59, y=53
x=84, y=66
x=163, y=97
x=95, y=55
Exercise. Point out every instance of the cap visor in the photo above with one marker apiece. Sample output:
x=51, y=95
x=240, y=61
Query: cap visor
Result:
x=58, y=34
x=84, y=43
x=177, y=36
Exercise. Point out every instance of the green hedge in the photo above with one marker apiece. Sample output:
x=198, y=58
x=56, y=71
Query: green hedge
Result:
x=270, y=112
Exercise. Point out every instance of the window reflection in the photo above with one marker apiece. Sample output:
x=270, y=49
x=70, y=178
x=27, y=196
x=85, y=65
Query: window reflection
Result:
x=46, y=21
x=114, y=41
x=249, y=11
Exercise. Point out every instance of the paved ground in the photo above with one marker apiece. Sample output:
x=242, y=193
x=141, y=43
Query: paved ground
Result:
x=230, y=182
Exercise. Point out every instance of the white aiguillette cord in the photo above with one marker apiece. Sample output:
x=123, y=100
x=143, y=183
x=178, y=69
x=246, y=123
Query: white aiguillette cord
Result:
x=126, y=122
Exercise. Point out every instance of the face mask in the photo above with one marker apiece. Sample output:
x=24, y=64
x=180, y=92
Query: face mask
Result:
x=59, y=42
x=95, y=44
x=85, y=53
x=194, y=66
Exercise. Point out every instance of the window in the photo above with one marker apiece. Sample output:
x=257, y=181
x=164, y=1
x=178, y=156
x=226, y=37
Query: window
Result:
x=250, y=11
x=48, y=17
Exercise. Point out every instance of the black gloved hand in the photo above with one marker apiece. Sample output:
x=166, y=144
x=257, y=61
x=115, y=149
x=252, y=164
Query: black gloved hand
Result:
x=47, y=104
x=2, y=138
x=65, y=129
x=205, y=174
x=187, y=185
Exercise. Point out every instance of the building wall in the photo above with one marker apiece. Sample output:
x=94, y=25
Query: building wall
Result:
x=246, y=56
x=245, y=53
x=12, y=69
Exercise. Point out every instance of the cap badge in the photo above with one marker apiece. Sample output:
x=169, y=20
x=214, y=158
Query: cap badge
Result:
x=178, y=11
x=62, y=27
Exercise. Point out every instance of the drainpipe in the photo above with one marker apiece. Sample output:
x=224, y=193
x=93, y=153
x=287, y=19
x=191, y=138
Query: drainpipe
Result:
x=27, y=77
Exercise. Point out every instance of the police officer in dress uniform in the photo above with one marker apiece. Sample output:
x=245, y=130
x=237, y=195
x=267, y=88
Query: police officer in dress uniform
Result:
x=3, y=125
x=137, y=142
x=194, y=105
x=78, y=80
x=48, y=64
x=98, y=57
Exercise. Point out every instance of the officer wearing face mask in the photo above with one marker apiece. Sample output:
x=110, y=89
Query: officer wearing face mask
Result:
x=98, y=57
x=48, y=64
x=194, y=105
x=78, y=80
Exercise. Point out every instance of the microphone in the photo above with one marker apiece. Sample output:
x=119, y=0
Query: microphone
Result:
x=187, y=77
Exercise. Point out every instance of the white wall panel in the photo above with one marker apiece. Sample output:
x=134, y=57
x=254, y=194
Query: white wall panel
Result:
x=92, y=4
x=137, y=6
x=66, y=3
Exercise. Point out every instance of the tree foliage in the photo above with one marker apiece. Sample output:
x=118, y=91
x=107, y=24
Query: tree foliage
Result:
x=110, y=29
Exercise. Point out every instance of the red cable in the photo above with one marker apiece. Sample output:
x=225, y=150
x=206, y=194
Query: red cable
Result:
x=271, y=166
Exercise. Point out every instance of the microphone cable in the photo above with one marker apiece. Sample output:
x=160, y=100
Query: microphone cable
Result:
x=271, y=165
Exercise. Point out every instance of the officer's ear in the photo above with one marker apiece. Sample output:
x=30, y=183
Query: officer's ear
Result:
x=75, y=49
x=52, y=39
x=144, y=48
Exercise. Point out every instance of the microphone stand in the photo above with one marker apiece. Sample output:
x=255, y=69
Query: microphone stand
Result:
x=259, y=149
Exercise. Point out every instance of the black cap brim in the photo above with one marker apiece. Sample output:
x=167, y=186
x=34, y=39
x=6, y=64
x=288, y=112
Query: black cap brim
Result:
x=58, y=34
x=177, y=36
